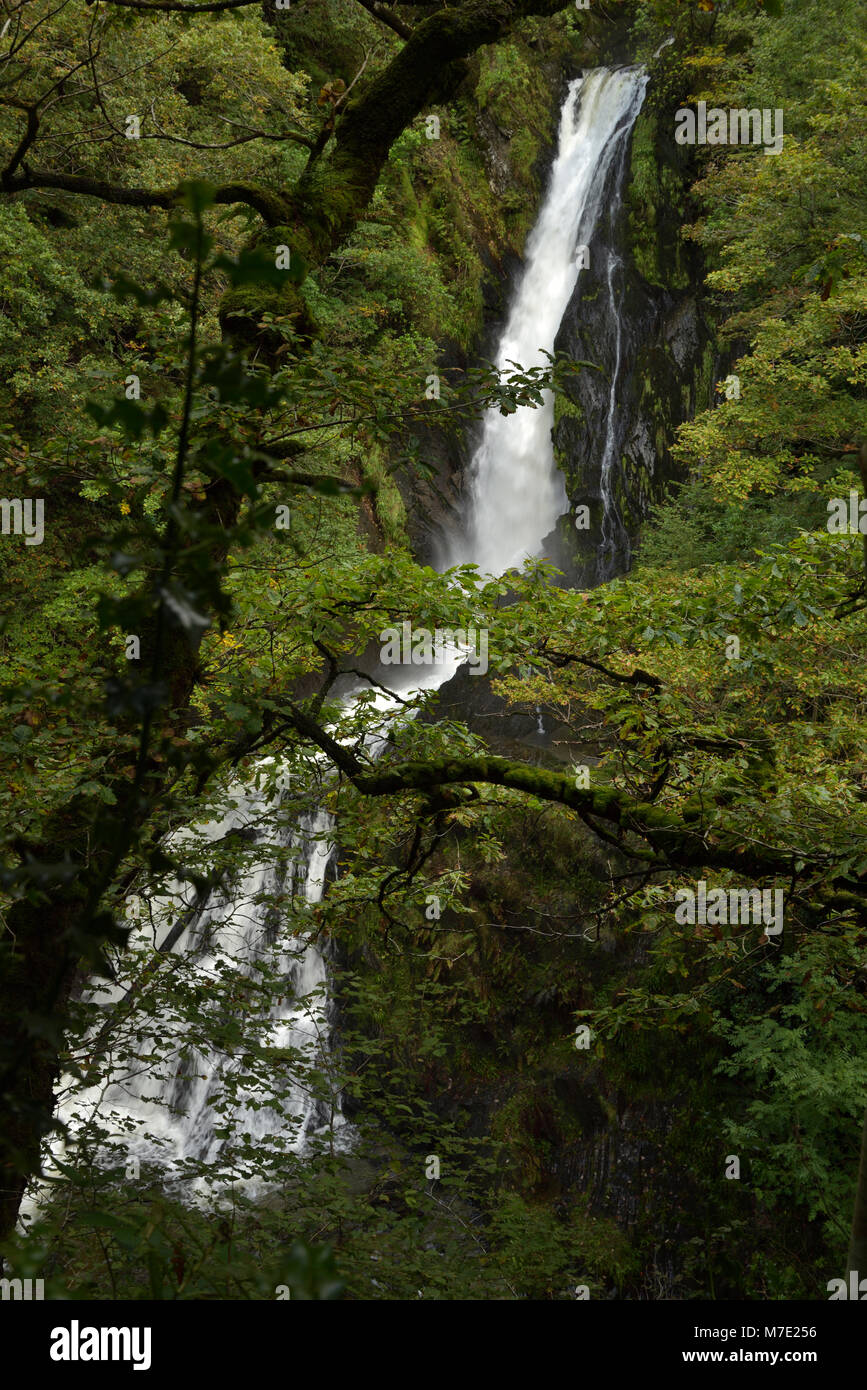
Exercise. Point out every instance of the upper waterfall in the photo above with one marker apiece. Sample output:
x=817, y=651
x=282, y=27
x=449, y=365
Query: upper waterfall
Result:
x=516, y=491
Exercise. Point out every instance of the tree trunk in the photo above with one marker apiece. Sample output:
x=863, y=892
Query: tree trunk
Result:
x=858, y=1240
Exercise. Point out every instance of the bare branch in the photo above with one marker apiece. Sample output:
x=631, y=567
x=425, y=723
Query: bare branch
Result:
x=388, y=17
x=295, y=135
x=33, y=120
x=20, y=40
x=637, y=677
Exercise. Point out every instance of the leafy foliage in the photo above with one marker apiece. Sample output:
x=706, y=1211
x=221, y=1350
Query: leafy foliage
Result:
x=454, y=1033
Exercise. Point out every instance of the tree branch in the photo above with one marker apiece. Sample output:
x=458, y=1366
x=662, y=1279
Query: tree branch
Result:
x=388, y=17
x=296, y=136
x=268, y=205
x=207, y=6
x=637, y=677
x=26, y=140
x=682, y=839
x=428, y=69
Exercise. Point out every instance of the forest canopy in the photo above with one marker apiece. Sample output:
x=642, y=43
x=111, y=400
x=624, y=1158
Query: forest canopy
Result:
x=238, y=242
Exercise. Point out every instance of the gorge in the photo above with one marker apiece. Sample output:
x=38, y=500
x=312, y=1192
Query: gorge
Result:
x=164, y=1106
x=440, y=584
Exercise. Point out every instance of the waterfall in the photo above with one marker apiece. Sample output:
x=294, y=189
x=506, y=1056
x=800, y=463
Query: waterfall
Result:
x=161, y=1091
x=516, y=491
x=161, y=1100
x=164, y=1090
x=613, y=531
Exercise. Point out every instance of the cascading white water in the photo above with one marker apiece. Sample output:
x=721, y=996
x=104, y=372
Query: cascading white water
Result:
x=516, y=492
x=160, y=1091
x=611, y=523
x=163, y=1103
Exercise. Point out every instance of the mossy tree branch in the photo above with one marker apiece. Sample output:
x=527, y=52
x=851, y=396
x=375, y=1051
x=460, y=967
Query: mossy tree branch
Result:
x=270, y=206
x=681, y=840
x=331, y=195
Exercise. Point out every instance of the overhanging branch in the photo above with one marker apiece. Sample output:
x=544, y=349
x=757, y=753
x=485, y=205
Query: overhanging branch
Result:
x=636, y=677
x=682, y=840
x=267, y=204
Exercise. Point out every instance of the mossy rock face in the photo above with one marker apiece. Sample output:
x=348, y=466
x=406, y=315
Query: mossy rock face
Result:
x=565, y=408
x=657, y=197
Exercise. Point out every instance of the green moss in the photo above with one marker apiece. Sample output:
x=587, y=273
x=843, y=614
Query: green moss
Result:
x=656, y=202
x=566, y=409
x=606, y=1252
x=390, y=509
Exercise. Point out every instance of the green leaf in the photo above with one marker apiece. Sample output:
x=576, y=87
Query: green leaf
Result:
x=197, y=195
x=258, y=266
x=122, y=288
